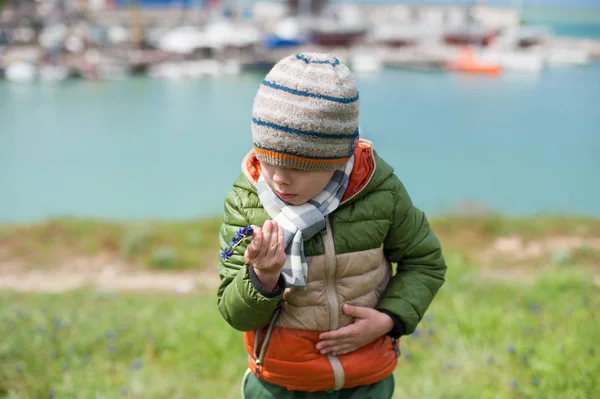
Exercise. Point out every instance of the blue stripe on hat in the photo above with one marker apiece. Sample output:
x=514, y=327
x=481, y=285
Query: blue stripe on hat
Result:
x=304, y=93
x=303, y=58
x=297, y=154
x=299, y=132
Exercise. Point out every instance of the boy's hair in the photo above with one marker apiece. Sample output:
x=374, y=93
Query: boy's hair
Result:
x=305, y=114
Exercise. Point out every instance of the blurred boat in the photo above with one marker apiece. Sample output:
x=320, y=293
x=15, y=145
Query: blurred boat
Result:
x=20, y=72
x=288, y=32
x=522, y=62
x=470, y=34
x=514, y=60
x=466, y=62
x=568, y=57
x=53, y=73
x=365, y=62
x=339, y=26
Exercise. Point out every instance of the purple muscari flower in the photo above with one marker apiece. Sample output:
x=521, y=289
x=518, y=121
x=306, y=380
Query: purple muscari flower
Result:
x=18, y=368
x=514, y=384
x=246, y=231
x=535, y=381
x=511, y=348
x=226, y=253
x=241, y=233
x=238, y=237
x=124, y=391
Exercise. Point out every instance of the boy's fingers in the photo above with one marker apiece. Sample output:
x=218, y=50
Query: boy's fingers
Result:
x=267, y=231
x=281, y=243
x=340, y=333
x=253, y=248
x=274, y=240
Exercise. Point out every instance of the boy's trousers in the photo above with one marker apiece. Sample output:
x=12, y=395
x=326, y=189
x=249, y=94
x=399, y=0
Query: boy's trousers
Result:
x=254, y=388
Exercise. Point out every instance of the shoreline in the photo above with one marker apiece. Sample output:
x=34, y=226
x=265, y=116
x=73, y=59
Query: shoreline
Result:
x=198, y=44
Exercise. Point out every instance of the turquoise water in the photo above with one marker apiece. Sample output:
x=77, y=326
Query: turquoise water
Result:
x=145, y=148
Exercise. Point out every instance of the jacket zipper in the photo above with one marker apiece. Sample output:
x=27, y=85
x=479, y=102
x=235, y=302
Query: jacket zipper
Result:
x=366, y=184
x=332, y=301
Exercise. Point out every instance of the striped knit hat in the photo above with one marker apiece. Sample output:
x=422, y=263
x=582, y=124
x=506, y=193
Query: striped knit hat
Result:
x=305, y=114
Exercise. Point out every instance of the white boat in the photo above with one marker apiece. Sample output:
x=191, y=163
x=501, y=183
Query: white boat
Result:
x=568, y=57
x=231, y=67
x=20, y=72
x=184, y=40
x=365, y=62
x=167, y=70
x=53, y=73
x=515, y=61
x=201, y=69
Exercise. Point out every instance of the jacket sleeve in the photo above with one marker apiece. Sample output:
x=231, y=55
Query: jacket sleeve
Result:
x=421, y=266
x=242, y=301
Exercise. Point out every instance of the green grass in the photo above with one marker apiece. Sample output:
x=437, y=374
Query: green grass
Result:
x=160, y=245
x=480, y=339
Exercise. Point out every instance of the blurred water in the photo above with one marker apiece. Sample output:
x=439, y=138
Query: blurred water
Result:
x=145, y=148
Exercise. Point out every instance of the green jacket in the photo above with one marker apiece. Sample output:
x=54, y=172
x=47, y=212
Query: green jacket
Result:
x=381, y=214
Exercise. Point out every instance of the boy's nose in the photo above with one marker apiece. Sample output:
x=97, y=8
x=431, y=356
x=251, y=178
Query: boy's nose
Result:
x=281, y=177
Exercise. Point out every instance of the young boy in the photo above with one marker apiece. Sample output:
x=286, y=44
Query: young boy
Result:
x=313, y=288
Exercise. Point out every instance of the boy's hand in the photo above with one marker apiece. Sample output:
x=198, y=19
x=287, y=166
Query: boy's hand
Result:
x=266, y=253
x=369, y=324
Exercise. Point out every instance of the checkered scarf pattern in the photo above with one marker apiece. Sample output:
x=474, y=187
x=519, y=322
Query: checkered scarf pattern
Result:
x=301, y=222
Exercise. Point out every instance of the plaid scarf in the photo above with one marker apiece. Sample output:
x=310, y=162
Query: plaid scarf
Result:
x=301, y=222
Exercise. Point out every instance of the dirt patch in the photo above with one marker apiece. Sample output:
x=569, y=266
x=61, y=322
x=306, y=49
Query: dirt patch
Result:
x=103, y=274
x=558, y=249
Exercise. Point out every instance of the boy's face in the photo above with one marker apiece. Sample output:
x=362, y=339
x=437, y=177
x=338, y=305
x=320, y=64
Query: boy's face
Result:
x=295, y=186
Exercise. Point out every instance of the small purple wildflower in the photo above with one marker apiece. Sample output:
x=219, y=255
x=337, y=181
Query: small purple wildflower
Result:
x=450, y=365
x=124, y=391
x=534, y=308
x=18, y=368
x=514, y=384
x=416, y=333
x=490, y=359
x=136, y=365
x=536, y=381
x=241, y=233
x=511, y=348
x=408, y=356
x=51, y=394
x=591, y=351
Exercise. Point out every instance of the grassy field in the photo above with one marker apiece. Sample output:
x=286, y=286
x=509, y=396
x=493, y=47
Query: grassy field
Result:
x=482, y=338
x=517, y=318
